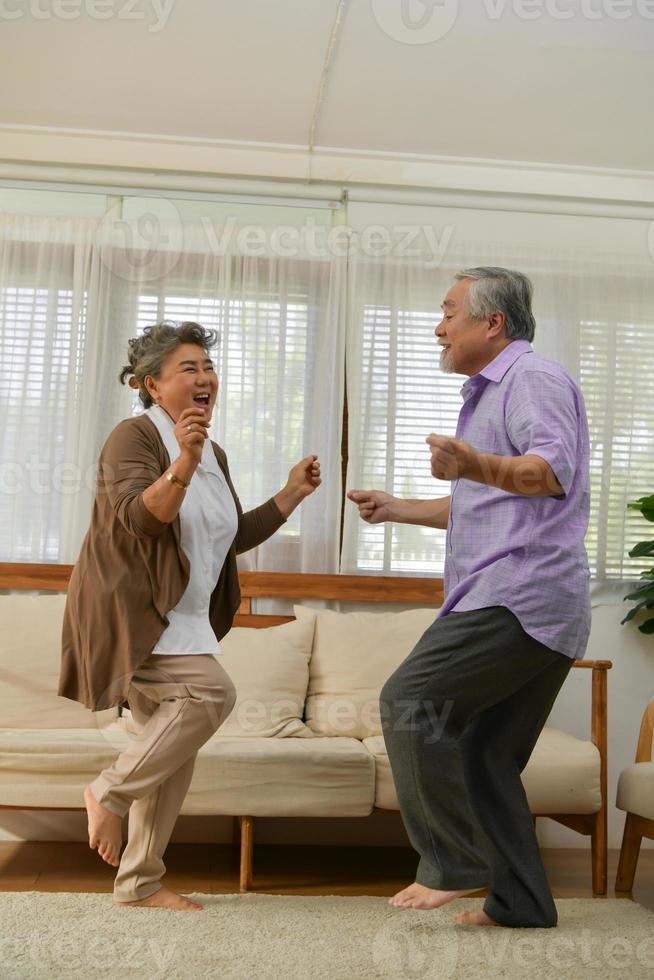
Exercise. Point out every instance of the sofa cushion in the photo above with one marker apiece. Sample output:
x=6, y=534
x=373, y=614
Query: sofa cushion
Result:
x=353, y=655
x=270, y=671
x=290, y=777
x=562, y=775
x=30, y=657
x=266, y=777
x=636, y=790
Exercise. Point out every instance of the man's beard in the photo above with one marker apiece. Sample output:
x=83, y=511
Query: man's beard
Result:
x=447, y=364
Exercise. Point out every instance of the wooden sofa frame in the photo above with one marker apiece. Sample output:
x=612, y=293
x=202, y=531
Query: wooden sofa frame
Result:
x=356, y=588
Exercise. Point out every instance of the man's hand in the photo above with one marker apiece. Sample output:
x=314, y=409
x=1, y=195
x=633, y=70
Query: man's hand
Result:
x=373, y=505
x=529, y=475
x=451, y=459
x=376, y=506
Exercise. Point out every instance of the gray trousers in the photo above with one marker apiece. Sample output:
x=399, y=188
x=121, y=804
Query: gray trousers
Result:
x=461, y=716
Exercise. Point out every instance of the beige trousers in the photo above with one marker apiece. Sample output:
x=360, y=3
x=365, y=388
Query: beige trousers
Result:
x=180, y=701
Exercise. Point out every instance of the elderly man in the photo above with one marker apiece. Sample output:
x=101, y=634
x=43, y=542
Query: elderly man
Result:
x=516, y=611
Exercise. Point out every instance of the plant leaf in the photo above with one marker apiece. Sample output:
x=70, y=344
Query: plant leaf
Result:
x=647, y=501
x=645, y=505
x=642, y=548
x=646, y=603
x=646, y=591
x=647, y=627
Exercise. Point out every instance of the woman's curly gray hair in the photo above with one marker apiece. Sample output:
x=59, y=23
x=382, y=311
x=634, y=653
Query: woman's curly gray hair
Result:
x=148, y=352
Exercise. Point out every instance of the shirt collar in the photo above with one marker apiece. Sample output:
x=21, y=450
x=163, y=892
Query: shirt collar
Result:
x=497, y=368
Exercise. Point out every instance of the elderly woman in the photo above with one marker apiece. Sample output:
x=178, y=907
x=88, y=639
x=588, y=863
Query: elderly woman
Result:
x=153, y=591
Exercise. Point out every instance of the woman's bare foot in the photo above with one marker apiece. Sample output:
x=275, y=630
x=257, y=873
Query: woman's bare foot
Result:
x=165, y=899
x=420, y=897
x=105, y=829
x=475, y=919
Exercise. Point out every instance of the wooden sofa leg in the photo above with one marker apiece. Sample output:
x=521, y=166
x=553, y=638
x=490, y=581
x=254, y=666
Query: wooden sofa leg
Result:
x=599, y=852
x=629, y=852
x=247, y=850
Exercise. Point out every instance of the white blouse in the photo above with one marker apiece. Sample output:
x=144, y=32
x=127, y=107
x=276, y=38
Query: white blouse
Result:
x=209, y=522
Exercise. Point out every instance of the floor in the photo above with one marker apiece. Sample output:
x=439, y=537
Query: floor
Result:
x=282, y=869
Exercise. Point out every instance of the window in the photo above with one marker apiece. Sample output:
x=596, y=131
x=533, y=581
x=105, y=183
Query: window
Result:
x=41, y=362
x=618, y=386
x=405, y=397
x=66, y=312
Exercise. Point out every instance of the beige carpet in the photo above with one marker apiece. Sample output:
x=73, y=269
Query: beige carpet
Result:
x=270, y=937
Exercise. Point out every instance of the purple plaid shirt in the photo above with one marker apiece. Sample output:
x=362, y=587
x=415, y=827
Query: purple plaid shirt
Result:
x=505, y=549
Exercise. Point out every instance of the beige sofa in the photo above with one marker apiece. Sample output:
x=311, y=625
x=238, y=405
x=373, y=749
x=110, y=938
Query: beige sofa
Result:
x=304, y=738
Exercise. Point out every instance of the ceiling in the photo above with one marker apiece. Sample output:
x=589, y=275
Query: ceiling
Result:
x=489, y=84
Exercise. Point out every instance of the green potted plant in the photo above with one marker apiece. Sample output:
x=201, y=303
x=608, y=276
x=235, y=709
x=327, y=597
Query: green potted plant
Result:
x=644, y=594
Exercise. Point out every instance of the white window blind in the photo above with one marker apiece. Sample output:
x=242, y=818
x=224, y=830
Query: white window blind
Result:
x=41, y=354
x=617, y=379
x=405, y=397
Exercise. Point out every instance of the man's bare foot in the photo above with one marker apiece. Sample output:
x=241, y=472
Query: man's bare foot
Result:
x=420, y=897
x=475, y=919
x=105, y=829
x=165, y=899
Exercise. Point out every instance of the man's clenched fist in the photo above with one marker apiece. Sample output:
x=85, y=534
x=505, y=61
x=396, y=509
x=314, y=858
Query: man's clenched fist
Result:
x=374, y=505
x=451, y=459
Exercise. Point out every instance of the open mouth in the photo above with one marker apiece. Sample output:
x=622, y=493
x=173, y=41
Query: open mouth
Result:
x=201, y=399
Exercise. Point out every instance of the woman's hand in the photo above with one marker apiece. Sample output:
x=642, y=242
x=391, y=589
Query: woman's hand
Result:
x=303, y=479
x=192, y=443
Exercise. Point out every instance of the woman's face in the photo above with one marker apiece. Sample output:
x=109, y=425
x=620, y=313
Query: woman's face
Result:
x=187, y=380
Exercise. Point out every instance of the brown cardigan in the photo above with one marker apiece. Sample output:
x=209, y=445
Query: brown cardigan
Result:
x=131, y=570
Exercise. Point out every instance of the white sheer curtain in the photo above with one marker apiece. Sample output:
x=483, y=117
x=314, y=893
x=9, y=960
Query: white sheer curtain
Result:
x=72, y=291
x=595, y=315
x=48, y=269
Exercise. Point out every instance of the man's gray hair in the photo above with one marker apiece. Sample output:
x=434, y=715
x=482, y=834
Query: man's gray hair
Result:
x=497, y=290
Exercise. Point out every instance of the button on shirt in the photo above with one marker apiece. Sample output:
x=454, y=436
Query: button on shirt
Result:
x=524, y=552
x=208, y=522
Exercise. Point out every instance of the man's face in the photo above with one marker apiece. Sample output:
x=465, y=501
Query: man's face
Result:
x=468, y=345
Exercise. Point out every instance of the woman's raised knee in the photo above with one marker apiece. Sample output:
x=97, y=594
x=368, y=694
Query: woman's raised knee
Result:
x=214, y=702
x=230, y=701
x=223, y=699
